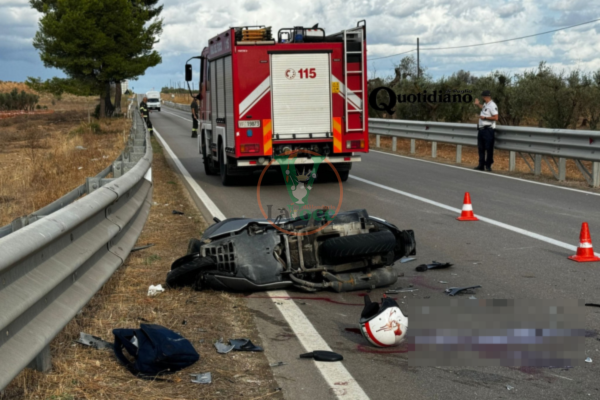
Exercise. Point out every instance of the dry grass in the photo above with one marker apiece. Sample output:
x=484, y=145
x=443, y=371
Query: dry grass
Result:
x=470, y=158
x=179, y=98
x=40, y=162
x=67, y=102
x=83, y=373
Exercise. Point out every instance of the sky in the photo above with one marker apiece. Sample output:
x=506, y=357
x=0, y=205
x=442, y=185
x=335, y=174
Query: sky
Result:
x=392, y=27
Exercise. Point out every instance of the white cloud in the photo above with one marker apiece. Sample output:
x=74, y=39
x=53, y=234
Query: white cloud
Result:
x=392, y=27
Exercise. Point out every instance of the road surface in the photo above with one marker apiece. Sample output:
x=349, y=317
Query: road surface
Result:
x=518, y=250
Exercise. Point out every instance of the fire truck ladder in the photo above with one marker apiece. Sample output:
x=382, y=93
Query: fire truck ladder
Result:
x=354, y=36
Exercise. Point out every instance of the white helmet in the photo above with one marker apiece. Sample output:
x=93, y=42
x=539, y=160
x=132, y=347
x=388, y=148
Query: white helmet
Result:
x=383, y=325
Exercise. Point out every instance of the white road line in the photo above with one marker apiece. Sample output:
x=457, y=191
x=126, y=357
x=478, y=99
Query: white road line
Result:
x=481, y=218
x=347, y=387
x=212, y=207
x=178, y=116
x=487, y=173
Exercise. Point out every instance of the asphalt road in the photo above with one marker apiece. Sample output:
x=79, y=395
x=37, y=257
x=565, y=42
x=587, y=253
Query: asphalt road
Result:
x=525, y=258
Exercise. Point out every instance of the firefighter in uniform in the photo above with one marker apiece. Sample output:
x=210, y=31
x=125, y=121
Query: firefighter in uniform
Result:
x=146, y=114
x=486, y=135
x=195, y=109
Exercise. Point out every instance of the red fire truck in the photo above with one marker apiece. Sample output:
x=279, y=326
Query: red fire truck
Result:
x=262, y=97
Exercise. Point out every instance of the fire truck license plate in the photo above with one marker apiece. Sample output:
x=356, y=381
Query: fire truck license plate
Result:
x=249, y=124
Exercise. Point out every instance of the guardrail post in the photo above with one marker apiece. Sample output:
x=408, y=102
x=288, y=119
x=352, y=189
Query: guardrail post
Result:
x=43, y=361
x=596, y=174
x=562, y=169
x=413, y=144
x=394, y=143
x=458, y=153
x=512, y=161
x=377, y=141
x=433, y=149
x=537, y=166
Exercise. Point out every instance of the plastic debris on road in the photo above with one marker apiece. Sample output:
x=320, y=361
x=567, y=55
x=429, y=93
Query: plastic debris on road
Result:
x=319, y=355
x=93, y=341
x=202, y=378
x=433, y=265
x=177, y=212
x=588, y=360
x=453, y=291
x=509, y=387
x=155, y=290
x=408, y=259
x=277, y=364
x=244, y=345
x=222, y=347
x=142, y=247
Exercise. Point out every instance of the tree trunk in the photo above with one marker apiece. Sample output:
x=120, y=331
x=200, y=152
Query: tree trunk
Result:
x=108, y=104
x=118, y=91
x=102, y=112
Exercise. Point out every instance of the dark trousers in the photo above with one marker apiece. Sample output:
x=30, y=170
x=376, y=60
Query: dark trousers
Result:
x=485, y=143
x=194, y=126
x=148, y=124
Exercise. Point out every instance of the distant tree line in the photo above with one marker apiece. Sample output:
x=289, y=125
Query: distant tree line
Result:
x=18, y=101
x=542, y=97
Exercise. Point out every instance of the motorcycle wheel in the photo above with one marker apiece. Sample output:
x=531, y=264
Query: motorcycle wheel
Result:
x=344, y=249
x=189, y=274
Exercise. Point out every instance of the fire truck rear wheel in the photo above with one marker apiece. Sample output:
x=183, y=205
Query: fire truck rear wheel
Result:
x=209, y=167
x=226, y=178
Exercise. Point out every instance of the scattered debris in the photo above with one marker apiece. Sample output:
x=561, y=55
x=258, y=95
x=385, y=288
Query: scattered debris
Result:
x=202, y=378
x=244, y=345
x=396, y=291
x=454, y=291
x=588, y=360
x=142, y=247
x=80, y=168
x=277, y=364
x=472, y=298
x=201, y=330
x=408, y=259
x=177, y=212
x=184, y=322
x=509, y=387
x=222, y=347
x=319, y=355
x=93, y=341
x=443, y=282
x=80, y=148
x=433, y=265
x=592, y=305
x=154, y=290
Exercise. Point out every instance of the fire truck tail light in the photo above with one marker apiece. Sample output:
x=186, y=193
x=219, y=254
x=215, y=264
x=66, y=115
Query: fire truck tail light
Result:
x=249, y=148
x=347, y=158
x=355, y=144
x=252, y=162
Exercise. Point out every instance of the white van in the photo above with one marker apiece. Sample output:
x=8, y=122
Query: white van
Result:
x=153, y=100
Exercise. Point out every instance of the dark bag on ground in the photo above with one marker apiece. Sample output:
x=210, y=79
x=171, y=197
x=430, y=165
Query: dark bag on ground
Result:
x=156, y=350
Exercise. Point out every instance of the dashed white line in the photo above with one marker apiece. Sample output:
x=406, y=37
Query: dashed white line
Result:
x=305, y=331
x=481, y=218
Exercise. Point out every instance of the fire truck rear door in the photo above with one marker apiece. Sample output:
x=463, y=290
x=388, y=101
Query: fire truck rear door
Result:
x=301, y=95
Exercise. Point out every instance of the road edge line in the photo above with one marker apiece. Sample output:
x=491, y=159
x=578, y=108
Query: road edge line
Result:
x=305, y=331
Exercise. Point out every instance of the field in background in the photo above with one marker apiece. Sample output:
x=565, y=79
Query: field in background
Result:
x=67, y=102
x=42, y=157
x=178, y=98
x=470, y=158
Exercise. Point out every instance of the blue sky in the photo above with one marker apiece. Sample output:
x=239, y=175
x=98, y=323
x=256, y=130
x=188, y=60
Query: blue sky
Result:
x=392, y=27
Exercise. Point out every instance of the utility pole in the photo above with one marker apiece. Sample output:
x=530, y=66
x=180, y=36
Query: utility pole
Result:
x=418, y=66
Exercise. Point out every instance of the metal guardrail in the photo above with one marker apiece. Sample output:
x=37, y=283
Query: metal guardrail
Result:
x=182, y=107
x=553, y=146
x=51, y=268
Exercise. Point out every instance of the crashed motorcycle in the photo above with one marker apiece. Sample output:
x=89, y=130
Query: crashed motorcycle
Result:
x=352, y=251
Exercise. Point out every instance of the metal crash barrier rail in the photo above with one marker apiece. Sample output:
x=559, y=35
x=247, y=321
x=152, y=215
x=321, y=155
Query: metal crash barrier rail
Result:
x=553, y=146
x=51, y=267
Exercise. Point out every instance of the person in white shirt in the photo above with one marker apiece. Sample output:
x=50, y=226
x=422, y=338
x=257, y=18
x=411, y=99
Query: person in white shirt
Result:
x=486, y=127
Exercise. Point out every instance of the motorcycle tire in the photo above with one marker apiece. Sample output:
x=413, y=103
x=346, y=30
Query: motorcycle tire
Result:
x=193, y=246
x=189, y=274
x=345, y=249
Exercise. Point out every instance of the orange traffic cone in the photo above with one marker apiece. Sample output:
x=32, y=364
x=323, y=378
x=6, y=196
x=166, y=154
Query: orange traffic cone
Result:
x=585, y=251
x=467, y=210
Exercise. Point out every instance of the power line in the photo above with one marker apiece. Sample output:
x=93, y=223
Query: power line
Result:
x=488, y=43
